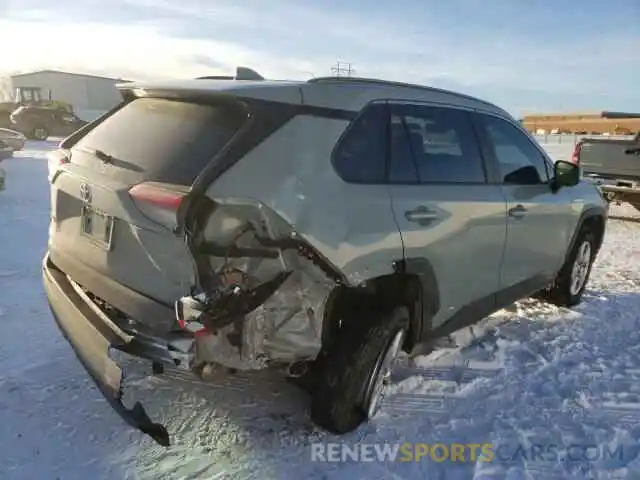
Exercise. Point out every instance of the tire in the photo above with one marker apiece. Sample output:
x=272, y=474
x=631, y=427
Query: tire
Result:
x=565, y=291
x=39, y=133
x=340, y=397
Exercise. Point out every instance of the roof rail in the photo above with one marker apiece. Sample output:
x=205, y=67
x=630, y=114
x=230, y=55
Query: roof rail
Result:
x=373, y=81
x=216, y=77
x=242, y=73
x=391, y=83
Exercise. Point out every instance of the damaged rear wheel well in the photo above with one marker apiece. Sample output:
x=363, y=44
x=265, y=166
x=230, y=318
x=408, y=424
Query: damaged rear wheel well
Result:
x=345, y=303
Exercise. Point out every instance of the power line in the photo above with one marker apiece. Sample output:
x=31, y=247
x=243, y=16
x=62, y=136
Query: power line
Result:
x=343, y=69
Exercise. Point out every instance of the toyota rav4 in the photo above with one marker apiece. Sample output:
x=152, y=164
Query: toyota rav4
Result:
x=317, y=226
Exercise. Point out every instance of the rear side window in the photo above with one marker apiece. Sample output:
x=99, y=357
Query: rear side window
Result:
x=360, y=155
x=433, y=145
x=153, y=139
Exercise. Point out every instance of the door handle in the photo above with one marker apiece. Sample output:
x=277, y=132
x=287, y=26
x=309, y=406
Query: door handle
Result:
x=420, y=214
x=517, y=212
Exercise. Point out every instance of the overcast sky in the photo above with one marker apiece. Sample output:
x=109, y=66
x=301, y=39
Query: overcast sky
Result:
x=526, y=55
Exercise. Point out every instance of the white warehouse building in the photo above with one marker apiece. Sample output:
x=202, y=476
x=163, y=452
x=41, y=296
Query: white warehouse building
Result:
x=89, y=95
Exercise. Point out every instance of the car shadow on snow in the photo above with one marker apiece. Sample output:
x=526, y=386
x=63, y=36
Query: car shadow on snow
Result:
x=557, y=379
x=533, y=373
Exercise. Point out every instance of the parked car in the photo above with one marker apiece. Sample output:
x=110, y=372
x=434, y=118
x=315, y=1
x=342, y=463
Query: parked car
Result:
x=12, y=139
x=319, y=227
x=40, y=123
x=5, y=150
x=613, y=165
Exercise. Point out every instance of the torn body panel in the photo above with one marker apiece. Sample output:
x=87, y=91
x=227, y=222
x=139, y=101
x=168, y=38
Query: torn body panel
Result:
x=272, y=237
x=291, y=173
x=261, y=289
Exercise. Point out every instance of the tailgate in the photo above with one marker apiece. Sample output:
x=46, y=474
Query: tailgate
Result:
x=610, y=158
x=107, y=233
x=158, y=146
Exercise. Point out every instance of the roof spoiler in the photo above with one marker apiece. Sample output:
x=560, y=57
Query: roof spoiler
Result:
x=242, y=73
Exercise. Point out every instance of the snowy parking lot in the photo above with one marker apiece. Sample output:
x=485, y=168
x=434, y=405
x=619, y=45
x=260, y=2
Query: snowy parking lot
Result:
x=529, y=376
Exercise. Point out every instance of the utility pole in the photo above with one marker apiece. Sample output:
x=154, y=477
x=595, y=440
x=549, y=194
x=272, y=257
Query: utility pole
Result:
x=342, y=69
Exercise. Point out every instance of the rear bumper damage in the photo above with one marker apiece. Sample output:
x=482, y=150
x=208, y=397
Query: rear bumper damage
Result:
x=261, y=304
x=92, y=335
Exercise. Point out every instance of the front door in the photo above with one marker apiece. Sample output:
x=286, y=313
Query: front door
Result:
x=537, y=229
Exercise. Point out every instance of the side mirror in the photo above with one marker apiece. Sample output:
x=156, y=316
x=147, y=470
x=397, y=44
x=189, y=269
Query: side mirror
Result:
x=566, y=174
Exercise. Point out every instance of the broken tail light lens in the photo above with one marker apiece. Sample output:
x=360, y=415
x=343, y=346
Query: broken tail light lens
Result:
x=55, y=159
x=158, y=202
x=59, y=156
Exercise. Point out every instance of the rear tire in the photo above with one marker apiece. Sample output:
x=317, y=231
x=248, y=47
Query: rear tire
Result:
x=353, y=369
x=572, y=279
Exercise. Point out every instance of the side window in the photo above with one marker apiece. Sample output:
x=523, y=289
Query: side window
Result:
x=519, y=161
x=360, y=155
x=433, y=145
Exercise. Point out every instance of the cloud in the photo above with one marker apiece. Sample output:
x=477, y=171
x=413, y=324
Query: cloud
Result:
x=286, y=39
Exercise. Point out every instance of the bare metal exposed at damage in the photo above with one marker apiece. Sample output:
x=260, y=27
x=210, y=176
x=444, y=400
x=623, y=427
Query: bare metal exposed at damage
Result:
x=262, y=289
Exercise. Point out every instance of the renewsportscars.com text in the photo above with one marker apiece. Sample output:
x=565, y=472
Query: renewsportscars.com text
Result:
x=462, y=452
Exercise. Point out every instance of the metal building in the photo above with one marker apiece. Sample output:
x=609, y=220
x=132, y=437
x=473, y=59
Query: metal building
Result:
x=90, y=95
x=615, y=123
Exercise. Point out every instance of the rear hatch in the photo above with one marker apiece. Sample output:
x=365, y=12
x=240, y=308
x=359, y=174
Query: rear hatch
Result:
x=116, y=194
x=610, y=158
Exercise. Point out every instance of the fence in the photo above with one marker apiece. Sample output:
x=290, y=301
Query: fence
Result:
x=560, y=147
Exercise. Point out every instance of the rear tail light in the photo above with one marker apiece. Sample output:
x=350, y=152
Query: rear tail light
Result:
x=57, y=158
x=158, y=202
x=575, y=156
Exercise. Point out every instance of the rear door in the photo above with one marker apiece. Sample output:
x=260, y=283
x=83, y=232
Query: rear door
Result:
x=447, y=211
x=539, y=223
x=114, y=204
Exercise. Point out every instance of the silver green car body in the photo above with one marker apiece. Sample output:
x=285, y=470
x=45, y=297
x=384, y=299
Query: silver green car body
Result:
x=227, y=214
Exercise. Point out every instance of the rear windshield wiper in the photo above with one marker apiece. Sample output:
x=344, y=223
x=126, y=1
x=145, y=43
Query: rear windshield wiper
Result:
x=106, y=158
x=99, y=154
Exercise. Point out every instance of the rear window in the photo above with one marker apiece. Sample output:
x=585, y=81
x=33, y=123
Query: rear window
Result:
x=152, y=139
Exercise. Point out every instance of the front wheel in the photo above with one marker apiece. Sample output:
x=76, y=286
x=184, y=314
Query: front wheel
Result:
x=572, y=279
x=39, y=133
x=357, y=368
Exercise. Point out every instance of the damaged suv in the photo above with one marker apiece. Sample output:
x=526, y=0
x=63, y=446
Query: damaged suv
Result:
x=317, y=226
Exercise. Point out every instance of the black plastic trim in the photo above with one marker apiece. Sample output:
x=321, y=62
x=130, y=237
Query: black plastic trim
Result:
x=590, y=212
x=479, y=309
x=430, y=297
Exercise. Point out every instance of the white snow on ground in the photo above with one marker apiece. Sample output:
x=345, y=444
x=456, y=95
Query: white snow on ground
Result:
x=531, y=374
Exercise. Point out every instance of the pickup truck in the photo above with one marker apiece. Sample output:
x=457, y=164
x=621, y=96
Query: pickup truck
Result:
x=613, y=165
